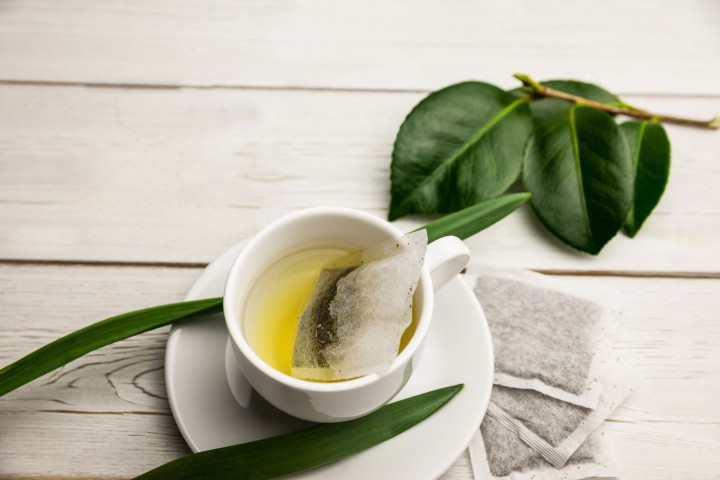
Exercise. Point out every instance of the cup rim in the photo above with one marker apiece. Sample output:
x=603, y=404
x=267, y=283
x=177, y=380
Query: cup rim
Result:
x=231, y=304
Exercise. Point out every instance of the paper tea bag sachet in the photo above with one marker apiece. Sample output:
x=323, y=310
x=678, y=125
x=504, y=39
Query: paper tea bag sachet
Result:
x=545, y=340
x=553, y=428
x=361, y=305
x=496, y=453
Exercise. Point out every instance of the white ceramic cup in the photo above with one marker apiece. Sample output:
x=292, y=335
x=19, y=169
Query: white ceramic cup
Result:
x=345, y=400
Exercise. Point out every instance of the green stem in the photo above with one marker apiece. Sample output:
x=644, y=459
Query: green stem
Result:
x=537, y=89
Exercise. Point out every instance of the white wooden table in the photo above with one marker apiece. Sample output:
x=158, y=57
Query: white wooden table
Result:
x=140, y=139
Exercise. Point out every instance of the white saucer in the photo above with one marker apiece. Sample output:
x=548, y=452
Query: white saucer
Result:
x=211, y=413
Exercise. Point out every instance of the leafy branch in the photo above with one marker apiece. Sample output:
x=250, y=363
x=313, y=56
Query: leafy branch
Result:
x=539, y=90
x=589, y=176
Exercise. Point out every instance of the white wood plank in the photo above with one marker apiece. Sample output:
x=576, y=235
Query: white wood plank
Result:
x=660, y=47
x=44, y=431
x=664, y=451
x=117, y=411
x=138, y=175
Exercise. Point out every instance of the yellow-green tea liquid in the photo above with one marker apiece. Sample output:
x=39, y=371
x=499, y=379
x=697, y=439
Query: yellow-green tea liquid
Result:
x=276, y=302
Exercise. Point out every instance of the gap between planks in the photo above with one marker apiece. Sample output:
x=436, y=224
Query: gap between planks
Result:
x=190, y=86
x=627, y=274
x=55, y=477
x=544, y=271
x=100, y=263
x=299, y=88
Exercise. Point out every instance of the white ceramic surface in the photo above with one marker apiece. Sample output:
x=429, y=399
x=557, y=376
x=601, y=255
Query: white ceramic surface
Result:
x=335, y=401
x=211, y=414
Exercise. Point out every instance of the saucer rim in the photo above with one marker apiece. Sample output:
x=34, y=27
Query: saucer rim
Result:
x=231, y=253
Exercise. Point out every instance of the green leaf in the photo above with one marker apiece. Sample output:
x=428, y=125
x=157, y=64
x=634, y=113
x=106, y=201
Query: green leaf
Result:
x=71, y=347
x=77, y=344
x=545, y=107
x=579, y=171
x=459, y=146
x=307, y=448
x=650, y=149
x=471, y=220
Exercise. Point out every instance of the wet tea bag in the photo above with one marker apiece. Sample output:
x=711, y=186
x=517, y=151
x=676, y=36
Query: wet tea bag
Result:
x=360, y=307
x=496, y=453
x=553, y=428
x=546, y=340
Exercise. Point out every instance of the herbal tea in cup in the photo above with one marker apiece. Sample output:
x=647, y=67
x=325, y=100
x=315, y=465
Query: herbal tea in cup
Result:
x=277, y=299
x=304, y=246
x=281, y=301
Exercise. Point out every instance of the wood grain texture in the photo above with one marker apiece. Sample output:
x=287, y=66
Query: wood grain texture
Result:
x=105, y=415
x=155, y=134
x=111, y=404
x=105, y=174
x=660, y=47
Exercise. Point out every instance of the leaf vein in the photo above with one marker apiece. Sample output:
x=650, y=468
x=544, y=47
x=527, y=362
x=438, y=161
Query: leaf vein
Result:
x=631, y=220
x=578, y=169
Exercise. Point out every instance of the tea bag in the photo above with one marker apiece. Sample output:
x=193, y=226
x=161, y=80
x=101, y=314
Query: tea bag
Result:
x=358, y=311
x=544, y=339
x=496, y=453
x=553, y=428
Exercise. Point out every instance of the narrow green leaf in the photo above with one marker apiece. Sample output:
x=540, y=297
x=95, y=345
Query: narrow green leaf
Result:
x=77, y=344
x=650, y=149
x=73, y=346
x=545, y=107
x=459, y=146
x=307, y=448
x=579, y=171
x=471, y=220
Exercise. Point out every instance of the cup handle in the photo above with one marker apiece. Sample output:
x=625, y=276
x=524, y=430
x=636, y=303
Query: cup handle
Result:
x=445, y=258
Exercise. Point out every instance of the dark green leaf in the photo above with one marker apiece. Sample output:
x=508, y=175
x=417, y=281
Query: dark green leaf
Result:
x=579, y=171
x=307, y=448
x=545, y=107
x=469, y=221
x=650, y=148
x=77, y=344
x=459, y=146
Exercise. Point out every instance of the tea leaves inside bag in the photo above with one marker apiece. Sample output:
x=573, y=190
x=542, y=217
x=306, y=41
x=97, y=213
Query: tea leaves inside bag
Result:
x=358, y=311
x=497, y=453
x=545, y=340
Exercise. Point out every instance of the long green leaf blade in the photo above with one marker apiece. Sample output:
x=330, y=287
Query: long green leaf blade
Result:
x=650, y=149
x=579, y=170
x=471, y=220
x=459, y=146
x=307, y=448
x=105, y=332
x=71, y=347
